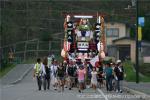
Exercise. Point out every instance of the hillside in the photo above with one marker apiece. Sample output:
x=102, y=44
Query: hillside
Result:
x=31, y=19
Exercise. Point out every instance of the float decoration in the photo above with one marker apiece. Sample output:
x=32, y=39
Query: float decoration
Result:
x=82, y=41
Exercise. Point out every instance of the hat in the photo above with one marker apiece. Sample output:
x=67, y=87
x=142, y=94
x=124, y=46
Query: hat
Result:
x=118, y=61
x=81, y=66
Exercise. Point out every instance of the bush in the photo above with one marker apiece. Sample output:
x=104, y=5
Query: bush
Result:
x=145, y=69
x=4, y=63
x=131, y=74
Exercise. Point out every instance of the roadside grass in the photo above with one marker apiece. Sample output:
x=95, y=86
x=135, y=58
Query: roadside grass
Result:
x=4, y=70
x=131, y=74
x=145, y=69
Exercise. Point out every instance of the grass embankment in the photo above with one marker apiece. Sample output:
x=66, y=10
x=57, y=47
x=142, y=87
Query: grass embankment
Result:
x=5, y=69
x=131, y=74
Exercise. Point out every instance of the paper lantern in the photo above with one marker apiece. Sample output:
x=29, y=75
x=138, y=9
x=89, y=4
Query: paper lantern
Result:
x=66, y=46
x=102, y=54
x=100, y=46
x=63, y=53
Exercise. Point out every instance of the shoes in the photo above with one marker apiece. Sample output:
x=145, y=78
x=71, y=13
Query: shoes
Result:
x=65, y=86
x=55, y=88
x=120, y=91
x=117, y=91
x=79, y=91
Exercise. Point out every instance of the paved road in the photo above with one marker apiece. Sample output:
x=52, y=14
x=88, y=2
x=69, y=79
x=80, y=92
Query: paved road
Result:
x=27, y=90
x=16, y=74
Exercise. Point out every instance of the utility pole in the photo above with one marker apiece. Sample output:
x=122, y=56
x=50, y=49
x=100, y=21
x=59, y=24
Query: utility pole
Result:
x=137, y=45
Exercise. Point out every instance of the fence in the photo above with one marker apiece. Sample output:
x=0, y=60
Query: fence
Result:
x=31, y=49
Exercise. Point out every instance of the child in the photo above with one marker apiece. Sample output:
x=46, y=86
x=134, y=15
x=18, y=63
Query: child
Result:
x=94, y=79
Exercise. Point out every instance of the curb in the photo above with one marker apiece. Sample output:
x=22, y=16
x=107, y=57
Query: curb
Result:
x=24, y=74
x=142, y=95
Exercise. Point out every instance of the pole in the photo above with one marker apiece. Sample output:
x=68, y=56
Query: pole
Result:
x=137, y=44
x=25, y=50
x=37, y=49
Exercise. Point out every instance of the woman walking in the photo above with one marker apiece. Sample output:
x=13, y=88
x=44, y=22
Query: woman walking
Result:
x=61, y=77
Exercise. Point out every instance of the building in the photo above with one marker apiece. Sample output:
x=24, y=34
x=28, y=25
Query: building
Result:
x=121, y=46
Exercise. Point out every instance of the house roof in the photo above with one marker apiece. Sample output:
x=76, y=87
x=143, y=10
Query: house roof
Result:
x=122, y=38
x=128, y=38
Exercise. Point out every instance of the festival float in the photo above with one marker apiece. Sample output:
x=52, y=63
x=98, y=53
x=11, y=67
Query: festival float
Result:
x=83, y=41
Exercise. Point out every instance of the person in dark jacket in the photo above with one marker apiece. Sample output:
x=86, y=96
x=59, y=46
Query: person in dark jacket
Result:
x=61, y=76
x=71, y=73
x=46, y=74
x=119, y=76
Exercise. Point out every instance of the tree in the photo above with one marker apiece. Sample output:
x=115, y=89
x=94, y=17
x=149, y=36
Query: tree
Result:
x=146, y=29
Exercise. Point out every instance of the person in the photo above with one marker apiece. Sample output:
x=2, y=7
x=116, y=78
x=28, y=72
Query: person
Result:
x=81, y=77
x=49, y=61
x=61, y=76
x=113, y=77
x=46, y=73
x=11, y=56
x=108, y=73
x=65, y=65
x=75, y=74
x=54, y=81
x=89, y=70
x=100, y=76
x=37, y=73
x=70, y=73
x=119, y=76
x=94, y=78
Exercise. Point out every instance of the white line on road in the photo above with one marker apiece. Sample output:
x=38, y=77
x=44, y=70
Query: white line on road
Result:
x=7, y=86
x=102, y=93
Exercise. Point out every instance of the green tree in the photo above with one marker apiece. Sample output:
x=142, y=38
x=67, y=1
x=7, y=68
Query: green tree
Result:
x=146, y=29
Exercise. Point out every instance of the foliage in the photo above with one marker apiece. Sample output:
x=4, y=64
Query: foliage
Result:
x=131, y=75
x=146, y=29
x=6, y=67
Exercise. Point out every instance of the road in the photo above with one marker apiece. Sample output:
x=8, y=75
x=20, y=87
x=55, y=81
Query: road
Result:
x=27, y=90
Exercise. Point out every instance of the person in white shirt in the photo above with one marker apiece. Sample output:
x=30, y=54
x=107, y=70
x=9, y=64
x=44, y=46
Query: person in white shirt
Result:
x=54, y=74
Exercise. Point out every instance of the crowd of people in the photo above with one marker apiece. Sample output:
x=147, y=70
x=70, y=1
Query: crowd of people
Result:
x=69, y=74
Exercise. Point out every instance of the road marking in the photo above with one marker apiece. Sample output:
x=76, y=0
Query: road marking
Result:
x=7, y=86
x=102, y=93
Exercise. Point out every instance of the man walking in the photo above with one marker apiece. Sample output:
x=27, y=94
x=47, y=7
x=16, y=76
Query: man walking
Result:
x=108, y=72
x=37, y=73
